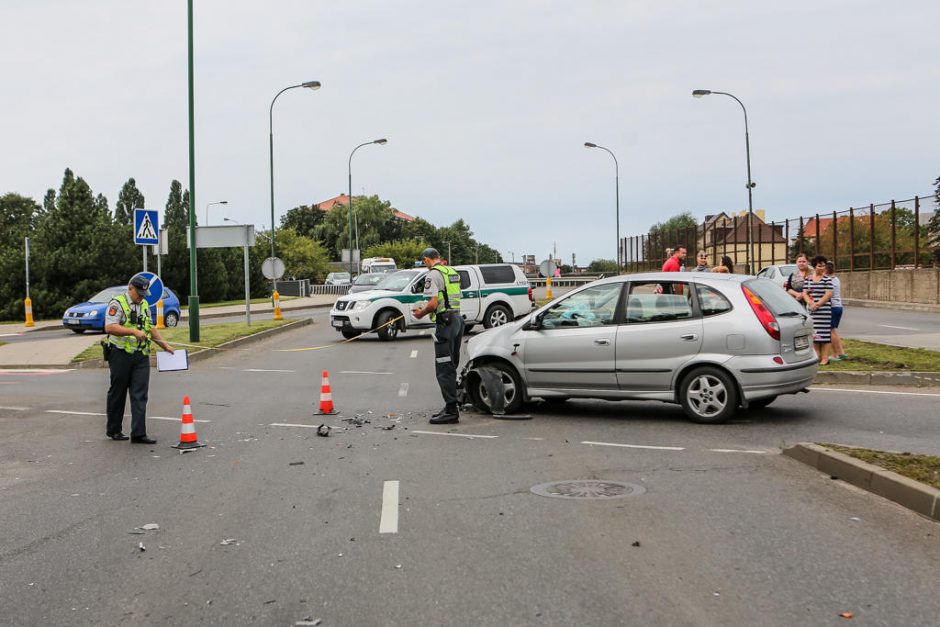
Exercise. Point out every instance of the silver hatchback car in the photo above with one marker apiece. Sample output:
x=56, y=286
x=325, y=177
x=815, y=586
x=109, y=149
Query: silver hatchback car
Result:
x=712, y=343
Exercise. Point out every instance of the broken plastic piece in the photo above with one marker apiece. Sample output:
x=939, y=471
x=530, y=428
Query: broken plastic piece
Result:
x=228, y=541
x=323, y=431
x=149, y=527
x=849, y=615
x=141, y=547
x=296, y=464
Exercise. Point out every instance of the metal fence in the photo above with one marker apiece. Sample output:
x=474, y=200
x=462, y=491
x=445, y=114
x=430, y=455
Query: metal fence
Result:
x=877, y=237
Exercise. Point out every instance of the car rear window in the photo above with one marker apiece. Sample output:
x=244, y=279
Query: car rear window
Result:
x=498, y=274
x=775, y=297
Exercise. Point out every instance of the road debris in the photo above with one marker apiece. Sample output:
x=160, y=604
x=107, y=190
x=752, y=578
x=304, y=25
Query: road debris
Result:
x=309, y=620
x=848, y=615
x=636, y=543
x=149, y=527
x=229, y=541
x=141, y=547
x=296, y=464
x=323, y=431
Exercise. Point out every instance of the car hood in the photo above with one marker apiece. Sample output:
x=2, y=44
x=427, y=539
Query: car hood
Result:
x=496, y=340
x=371, y=294
x=86, y=307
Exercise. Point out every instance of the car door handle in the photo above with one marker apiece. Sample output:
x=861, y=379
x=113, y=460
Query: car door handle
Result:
x=689, y=336
x=602, y=342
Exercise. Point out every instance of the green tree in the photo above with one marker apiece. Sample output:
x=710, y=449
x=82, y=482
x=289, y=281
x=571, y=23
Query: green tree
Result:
x=304, y=220
x=303, y=258
x=373, y=216
x=404, y=252
x=933, y=226
x=129, y=198
x=175, y=265
x=681, y=229
x=607, y=266
x=18, y=216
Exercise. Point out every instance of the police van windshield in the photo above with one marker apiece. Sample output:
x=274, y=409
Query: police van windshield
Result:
x=397, y=281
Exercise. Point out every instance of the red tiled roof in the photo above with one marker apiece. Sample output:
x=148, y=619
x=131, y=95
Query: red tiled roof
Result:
x=343, y=199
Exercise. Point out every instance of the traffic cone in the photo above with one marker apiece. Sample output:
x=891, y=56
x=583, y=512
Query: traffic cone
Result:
x=326, y=396
x=188, y=437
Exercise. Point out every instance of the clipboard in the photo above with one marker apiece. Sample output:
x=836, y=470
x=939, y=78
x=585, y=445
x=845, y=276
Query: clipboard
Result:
x=179, y=360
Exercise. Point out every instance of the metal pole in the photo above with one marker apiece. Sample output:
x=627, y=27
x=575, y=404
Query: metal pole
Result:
x=143, y=250
x=247, y=284
x=350, y=219
x=193, y=293
x=27, y=266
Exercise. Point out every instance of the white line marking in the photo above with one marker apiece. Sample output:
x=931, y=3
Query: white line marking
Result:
x=403, y=390
x=361, y=372
x=73, y=413
x=888, y=326
x=414, y=354
x=388, y=523
x=9, y=334
x=735, y=450
x=536, y=439
x=263, y=370
x=171, y=419
x=289, y=424
x=871, y=391
x=459, y=435
x=655, y=448
x=15, y=408
x=36, y=371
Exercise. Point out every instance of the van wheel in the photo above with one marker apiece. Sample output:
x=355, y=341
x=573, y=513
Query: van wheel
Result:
x=496, y=316
x=512, y=389
x=708, y=395
x=171, y=319
x=349, y=333
x=387, y=332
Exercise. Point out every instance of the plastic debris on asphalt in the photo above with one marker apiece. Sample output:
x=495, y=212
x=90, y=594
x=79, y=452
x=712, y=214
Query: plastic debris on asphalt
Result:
x=141, y=547
x=309, y=620
x=849, y=615
x=296, y=464
x=229, y=541
x=323, y=431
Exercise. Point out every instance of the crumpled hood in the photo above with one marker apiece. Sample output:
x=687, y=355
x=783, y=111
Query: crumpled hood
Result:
x=497, y=336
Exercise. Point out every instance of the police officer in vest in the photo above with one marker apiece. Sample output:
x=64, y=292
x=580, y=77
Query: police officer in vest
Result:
x=442, y=288
x=130, y=337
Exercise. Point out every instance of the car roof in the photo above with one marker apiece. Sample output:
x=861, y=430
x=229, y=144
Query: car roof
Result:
x=698, y=277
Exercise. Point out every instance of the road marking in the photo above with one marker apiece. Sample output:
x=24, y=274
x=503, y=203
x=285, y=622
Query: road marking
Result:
x=654, y=448
x=388, y=523
x=459, y=435
x=736, y=450
x=535, y=439
x=172, y=419
x=41, y=371
x=9, y=334
x=414, y=354
x=403, y=390
x=821, y=389
x=888, y=326
x=290, y=424
x=92, y=413
x=15, y=408
x=263, y=370
x=362, y=372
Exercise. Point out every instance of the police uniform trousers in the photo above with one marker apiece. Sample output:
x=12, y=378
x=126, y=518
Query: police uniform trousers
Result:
x=129, y=372
x=448, y=331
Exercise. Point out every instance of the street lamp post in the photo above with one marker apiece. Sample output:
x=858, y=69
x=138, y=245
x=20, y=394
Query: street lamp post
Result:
x=314, y=85
x=221, y=202
x=698, y=93
x=617, y=188
x=380, y=142
x=513, y=255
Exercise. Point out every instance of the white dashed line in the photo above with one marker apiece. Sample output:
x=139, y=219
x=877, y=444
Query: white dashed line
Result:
x=361, y=372
x=735, y=450
x=822, y=389
x=654, y=448
x=414, y=354
x=15, y=408
x=263, y=370
x=403, y=390
x=388, y=523
x=73, y=413
x=459, y=435
x=535, y=439
x=888, y=326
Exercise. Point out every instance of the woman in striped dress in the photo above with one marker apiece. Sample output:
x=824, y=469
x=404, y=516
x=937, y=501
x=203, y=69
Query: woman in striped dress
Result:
x=817, y=293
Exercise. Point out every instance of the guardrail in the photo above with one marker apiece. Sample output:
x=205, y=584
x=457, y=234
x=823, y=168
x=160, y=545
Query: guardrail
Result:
x=338, y=290
x=564, y=281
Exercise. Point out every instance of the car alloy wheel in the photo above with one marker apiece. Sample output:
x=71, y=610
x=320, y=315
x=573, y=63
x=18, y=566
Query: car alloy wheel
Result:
x=496, y=316
x=708, y=395
x=171, y=319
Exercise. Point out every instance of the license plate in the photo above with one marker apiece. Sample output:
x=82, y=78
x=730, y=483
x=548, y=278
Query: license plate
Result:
x=800, y=342
x=337, y=323
x=74, y=321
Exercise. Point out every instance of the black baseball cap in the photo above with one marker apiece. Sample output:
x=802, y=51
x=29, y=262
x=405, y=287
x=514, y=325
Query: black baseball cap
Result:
x=141, y=284
x=430, y=253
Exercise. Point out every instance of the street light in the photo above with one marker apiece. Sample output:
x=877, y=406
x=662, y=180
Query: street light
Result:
x=380, y=142
x=617, y=188
x=513, y=255
x=698, y=93
x=314, y=85
x=221, y=202
x=231, y=220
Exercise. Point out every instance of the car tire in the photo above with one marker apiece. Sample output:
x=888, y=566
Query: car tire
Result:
x=79, y=331
x=761, y=402
x=512, y=386
x=497, y=316
x=387, y=332
x=171, y=319
x=350, y=333
x=708, y=395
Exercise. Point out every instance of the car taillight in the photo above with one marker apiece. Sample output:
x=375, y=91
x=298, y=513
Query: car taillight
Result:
x=532, y=298
x=763, y=314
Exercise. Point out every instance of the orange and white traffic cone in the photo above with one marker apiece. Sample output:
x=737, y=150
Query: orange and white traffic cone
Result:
x=188, y=437
x=326, y=396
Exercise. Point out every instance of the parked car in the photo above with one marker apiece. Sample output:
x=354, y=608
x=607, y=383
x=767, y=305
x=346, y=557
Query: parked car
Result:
x=712, y=343
x=337, y=278
x=366, y=281
x=491, y=295
x=778, y=274
x=89, y=316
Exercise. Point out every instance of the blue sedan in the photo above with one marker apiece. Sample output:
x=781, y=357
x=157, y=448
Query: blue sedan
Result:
x=90, y=314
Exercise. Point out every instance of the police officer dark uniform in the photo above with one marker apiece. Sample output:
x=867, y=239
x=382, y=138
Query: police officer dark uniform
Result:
x=130, y=335
x=442, y=287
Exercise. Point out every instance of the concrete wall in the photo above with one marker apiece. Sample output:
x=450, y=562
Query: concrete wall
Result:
x=905, y=286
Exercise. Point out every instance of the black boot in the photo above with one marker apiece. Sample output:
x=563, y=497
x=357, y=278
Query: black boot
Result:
x=448, y=415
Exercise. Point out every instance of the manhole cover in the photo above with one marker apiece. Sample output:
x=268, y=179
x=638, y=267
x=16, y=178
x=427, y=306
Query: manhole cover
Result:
x=588, y=489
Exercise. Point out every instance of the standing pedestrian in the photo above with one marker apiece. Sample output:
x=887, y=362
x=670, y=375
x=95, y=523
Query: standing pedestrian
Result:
x=674, y=263
x=442, y=289
x=817, y=293
x=726, y=266
x=130, y=336
x=795, y=281
x=838, y=351
x=702, y=262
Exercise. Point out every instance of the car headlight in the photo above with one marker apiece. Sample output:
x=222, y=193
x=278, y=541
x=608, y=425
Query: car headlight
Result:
x=92, y=313
x=360, y=305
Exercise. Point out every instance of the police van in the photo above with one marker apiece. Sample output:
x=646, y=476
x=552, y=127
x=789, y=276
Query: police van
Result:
x=490, y=294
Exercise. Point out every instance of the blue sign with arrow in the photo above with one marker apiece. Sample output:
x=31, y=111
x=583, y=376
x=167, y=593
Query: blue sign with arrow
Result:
x=146, y=227
x=155, y=288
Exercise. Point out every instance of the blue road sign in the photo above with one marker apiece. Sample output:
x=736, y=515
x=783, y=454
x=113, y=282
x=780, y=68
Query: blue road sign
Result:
x=146, y=227
x=155, y=288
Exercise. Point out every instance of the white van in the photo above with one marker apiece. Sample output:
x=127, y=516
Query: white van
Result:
x=379, y=264
x=491, y=295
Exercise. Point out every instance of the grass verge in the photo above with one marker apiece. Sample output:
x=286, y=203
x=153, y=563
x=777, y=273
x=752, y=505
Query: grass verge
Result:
x=227, y=303
x=865, y=356
x=922, y=468
x=210, y=335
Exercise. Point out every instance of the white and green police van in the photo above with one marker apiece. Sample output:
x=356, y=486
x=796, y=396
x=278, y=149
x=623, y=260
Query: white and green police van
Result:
x=491, y=295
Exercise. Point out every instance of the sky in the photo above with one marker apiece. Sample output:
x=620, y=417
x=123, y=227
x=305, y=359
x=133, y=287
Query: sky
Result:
x=486, y=106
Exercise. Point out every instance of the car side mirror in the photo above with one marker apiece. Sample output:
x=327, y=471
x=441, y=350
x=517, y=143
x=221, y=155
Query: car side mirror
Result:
x=533, y=324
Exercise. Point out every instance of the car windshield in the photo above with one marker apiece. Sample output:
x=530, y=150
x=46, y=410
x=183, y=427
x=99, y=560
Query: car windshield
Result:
x=787, y=270
x=105, y=296
x=776, y=299
x=369, y=279
x=396, y=282
x=340, y=276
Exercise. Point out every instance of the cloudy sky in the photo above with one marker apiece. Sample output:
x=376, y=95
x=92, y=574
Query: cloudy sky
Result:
x=486, y=105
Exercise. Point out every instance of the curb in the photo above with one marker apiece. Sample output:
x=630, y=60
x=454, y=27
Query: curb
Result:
x=915, y=496
x=879, y=377
x=204, y=353
x=890, y=304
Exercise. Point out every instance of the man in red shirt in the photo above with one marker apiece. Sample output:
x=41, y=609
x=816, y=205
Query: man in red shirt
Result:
x=673, y=264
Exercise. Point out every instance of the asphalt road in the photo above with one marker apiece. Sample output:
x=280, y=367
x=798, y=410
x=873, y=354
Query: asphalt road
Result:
x=723, y=529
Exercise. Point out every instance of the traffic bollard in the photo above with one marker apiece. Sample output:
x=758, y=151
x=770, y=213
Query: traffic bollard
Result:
x=29, y=312
x=277, y=306
x=548, y=288
x=160, y=321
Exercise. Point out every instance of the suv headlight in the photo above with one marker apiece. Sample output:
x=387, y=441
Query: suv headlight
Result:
x=359, y=305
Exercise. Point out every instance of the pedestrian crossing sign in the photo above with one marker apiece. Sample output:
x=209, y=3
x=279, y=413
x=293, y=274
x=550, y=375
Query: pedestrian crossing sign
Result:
x=146, y=227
